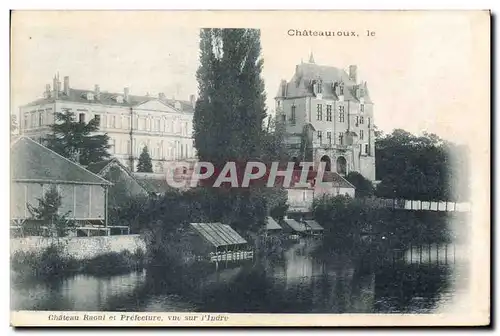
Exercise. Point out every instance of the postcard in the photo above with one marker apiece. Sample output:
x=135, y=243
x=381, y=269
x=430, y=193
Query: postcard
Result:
x=250, y=168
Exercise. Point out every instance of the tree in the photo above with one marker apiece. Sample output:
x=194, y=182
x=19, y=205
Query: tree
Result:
x=47, y=212
x=230, y=111
x=144, y=165
x=76, y=140
x=419, y=167
x=364, y=187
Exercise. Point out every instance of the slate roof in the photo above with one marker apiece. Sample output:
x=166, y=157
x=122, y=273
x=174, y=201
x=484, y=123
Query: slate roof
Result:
x=271, y=224
x=109, y=98
x=101, y=168
x=32, y=162
x=337, y=180
x=300, y=84
x=153, y=183
x=296, y=226
x=218, y=234
x=313, y=225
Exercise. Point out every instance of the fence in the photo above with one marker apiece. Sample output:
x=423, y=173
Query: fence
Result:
x=417, y=205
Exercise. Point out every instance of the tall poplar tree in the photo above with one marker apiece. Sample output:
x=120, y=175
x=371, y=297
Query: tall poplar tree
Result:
x=229, y=116
x=230, y=111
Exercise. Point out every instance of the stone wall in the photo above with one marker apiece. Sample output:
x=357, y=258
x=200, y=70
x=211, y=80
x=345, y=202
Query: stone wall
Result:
x=81, y=247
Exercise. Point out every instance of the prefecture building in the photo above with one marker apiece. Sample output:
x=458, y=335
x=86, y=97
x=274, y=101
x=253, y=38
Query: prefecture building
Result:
x=329, y=117
x=132, y=122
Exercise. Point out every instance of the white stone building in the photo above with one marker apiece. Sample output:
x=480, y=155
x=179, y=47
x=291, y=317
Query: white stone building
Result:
x=132, y=122
x=334, y=110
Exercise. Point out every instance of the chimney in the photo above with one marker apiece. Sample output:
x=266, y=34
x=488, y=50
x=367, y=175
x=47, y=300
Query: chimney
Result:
x=161, y=96
x=353, y=69
x=283, y=88
x=125, y=94
x=47, y=91
x=192, y=99
x=97, y=92
x=55, y=86
x=66, y=85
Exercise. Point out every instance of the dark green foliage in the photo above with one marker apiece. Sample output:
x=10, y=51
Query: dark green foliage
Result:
x=364, y=187
x=47, y=214
x=421, y=168
x=229, y=114
x=129, y=212
x=144, y=165
x=51, y=262
x=346, y=220
x=76, y=140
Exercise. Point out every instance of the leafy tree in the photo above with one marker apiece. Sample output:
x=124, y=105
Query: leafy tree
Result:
x=364, y=187
x=420, y=167
x=144, y=165
x=47, y=212
x=77, y=140
x=230, y=111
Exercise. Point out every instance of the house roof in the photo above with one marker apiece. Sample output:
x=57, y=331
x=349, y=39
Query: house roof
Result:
x=337, y=180
x=32, y=162
x=301, y=83
x=218, y=234
x=102, y=167
x=313, y=225
x=153, y=183
x=109, y=98
x=271, y=224
x=296, y=226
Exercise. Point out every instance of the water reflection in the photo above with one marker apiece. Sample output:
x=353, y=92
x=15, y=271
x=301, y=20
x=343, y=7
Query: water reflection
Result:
x=417, y=280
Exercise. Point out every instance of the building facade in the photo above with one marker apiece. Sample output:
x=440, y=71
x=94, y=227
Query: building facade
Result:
x=131, y=122
x=329, y=117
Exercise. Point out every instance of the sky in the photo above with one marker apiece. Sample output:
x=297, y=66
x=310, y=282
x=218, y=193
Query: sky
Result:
x=419, y=67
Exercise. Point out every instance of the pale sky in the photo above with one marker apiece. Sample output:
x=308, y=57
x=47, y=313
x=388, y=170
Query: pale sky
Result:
x=421, y=68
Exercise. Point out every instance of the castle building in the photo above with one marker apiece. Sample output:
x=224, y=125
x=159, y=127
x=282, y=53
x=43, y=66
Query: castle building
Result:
x=131, y=122
x=329, y=117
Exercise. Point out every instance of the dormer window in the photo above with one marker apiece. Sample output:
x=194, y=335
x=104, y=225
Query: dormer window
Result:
x=119, y=99
x=90, y=96
x=177, y=105
x=317, y=87
x=341, y=88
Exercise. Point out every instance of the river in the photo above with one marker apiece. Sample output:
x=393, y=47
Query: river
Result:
x=419, y=280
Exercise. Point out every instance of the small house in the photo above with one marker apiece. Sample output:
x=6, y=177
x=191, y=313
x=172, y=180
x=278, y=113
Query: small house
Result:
x=272, y=227
x=216, y=242
x=313, y=227
x=35, y=169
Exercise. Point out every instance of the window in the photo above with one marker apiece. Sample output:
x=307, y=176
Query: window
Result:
x=361, y=134
x=341, y=114
x=279, y=103
x=283, y=118
x=368, y=122
x=26, y=120
x=319, y=87
x=357, y=120
x=367, y=149
x=40, y=118
x=320, y=112
x=361, y=120
x=97, y=118
x=81, y=117
x=33, y=120
x=341, y=138
x=157, y=125
x=127, y=122
x=320, y=136
x=112, y=146
x=329, y=137
x=362, y=107
x=112, y=122
x=292, y=117
x=341, y=89
x=142, y=124
x=90, y=96
x=328, y=112
x=129, y=147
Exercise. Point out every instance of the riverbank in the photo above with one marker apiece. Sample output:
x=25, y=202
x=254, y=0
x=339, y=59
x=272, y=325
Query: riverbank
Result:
x=53, y=262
